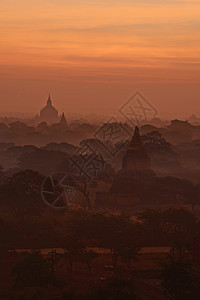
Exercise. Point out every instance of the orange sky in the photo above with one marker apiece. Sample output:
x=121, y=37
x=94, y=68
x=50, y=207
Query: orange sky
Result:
x=91, y=55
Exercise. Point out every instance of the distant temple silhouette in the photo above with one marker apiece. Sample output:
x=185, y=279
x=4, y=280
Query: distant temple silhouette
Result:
x=136, y=158
x=49, y=114
x=132, y=179
x=63, y=121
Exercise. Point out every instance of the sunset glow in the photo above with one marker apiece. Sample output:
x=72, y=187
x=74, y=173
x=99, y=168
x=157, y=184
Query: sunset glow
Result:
x=80, y=42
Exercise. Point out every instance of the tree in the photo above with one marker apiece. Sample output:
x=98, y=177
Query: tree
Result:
x=181, y=226
x=118, y=234
x=110, y=232
x=62, y=147
x=157, y=145
x=161, y=152
x=107, y=173
x=129, y=254
x=17, y=126
x=20, y=194
x=73, y=252
x=88, y=257
x=42, y=127
x=192, y=195
x=42, y=160
x=151, y=232
x=115, y=289
x=176, y=279
x=8, y=235
x=2, y=175
x=32, y=271
x=175, y=227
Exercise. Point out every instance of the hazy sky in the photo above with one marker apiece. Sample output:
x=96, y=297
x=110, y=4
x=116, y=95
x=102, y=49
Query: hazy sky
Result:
x=92, y=55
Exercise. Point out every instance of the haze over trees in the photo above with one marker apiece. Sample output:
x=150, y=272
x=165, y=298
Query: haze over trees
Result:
x=27, y=223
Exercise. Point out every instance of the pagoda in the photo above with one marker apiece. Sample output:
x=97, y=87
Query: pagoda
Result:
x=49, y=113
x=136, y=157
x=134, y=180
x=63, y=121
x=136, y=168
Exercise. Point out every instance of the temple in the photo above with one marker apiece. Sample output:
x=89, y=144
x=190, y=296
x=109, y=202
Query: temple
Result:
x=63, y=121
x=49, y=114
x=136, y=158
x=132, y=182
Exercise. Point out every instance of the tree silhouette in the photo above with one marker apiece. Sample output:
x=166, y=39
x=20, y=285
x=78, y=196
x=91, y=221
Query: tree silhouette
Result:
x=115, y=289
x=129, y=254
x=176, y=279
x=21, y=194
x=73, y=252
x=32, y=271
x=87, y=257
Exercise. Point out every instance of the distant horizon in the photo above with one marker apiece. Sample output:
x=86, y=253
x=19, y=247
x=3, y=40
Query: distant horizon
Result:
x=165, y=116
x=75, y=116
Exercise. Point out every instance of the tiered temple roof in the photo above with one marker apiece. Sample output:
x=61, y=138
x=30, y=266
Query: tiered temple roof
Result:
x=49, y=114
x=135, y=169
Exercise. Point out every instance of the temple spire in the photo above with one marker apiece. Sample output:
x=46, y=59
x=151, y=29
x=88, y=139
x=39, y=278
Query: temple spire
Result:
x=136, y=139
x=49, y=102
x=63, y=121
x=136, y=157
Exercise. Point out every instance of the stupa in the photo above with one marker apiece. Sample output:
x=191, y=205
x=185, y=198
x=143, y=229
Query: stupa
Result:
x=48, y=114
x=133, y=180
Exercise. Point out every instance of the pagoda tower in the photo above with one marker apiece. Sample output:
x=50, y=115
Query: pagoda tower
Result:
x=63, y=121
x=48, y=114
x=136, y=157
x=136, y=169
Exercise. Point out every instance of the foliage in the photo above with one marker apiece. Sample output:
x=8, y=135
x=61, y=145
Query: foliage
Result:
x=32, y=271
x=115, y=289
x=178, y=280
x=129, y=254
x=175, y=227
x=20, y=194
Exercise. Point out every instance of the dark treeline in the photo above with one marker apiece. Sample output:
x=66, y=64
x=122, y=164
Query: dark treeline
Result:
x=28, y=223
x=173, y=150
x=78, y=232
x=20, y=133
